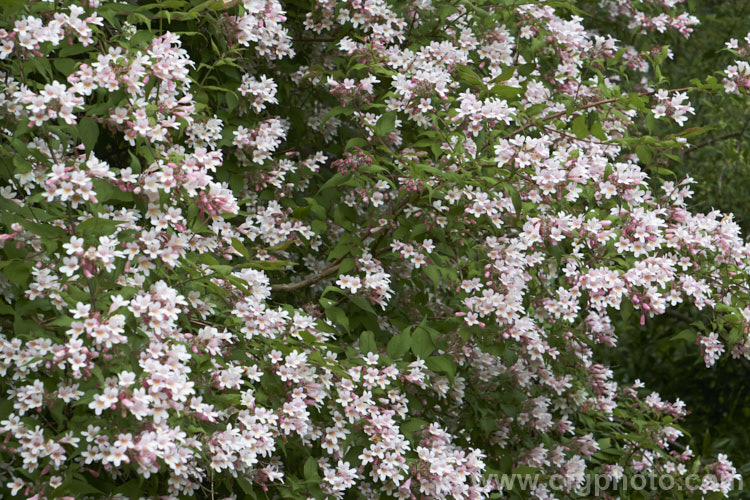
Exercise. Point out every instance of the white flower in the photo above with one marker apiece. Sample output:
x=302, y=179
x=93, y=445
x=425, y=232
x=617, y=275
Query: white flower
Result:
x=353, y=283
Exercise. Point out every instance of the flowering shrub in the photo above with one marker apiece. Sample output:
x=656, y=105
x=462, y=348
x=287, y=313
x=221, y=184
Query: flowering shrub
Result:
x=330, y=248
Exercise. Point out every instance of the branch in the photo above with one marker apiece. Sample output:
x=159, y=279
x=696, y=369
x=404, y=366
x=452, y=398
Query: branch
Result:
x=291, y=287
x=679, y=315
x=719, y=138
x=315, y=40
x=587, y=106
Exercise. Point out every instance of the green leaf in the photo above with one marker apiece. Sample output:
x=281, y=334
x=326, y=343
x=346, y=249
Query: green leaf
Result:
x=89, y=131
x=579, y=128
x=64, y=65
x=237, y=244
x=465, y=74
x=525, y=469
x=22, y=166
x=734, y=335
x=336, y=180
x=131, y=489
x=421, y=343
x=386, y=124
x=21, y=128
x=82, y=487
x=355, y=142
x=208, y=4
x=337, y=110
x=44, y=230
x=221, y=270
x=346, y=265
x=268, y=265
x=106, y=191
x=367, y=342
x=363, y=304
x=310, y=470
x=505, y=75
x=515, y=198
x=246, y=486
x=506, y=91
x=232, y=100
x=644, y=154
x=65, y=321
x=135, y=163
x=707, y=443
x=42, y=66
x=95, y=227
x=337, y=315
x=18, y=273
x=433, y=272
x=626, y=309
x=339, y=251
x=446, y=11
x=442, y=364
x=280, y=246
x=597, y=131
x=399, y=345
x=413, y=425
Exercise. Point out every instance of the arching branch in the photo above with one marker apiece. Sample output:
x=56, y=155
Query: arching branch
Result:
x=291, y=287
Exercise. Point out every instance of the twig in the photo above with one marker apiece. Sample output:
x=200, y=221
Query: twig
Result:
x=291, y=287
x=679, y=315
x=587, y=106
x=720, y=138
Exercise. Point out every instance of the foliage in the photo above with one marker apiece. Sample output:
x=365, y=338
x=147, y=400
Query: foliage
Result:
x=662, y=354
x=326, y=249
x=718, y=159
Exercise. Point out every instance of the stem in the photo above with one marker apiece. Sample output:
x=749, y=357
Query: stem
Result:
x=291, y=287
x=590, y=105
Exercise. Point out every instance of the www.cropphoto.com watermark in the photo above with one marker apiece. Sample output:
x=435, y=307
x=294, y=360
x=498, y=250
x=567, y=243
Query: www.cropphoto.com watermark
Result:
x=595, y=484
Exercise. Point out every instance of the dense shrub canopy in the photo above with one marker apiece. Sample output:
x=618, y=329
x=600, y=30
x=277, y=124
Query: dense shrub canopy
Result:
x=346, y=248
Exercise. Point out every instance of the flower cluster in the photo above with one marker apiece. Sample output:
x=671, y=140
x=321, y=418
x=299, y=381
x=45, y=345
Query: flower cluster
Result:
x=674, y=107
x=29, y=32
x=737, y=79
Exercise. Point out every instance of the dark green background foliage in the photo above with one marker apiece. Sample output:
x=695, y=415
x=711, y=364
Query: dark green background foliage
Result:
x=663, y=353
x=719, y=158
